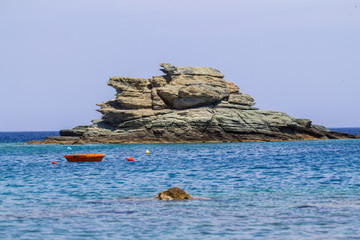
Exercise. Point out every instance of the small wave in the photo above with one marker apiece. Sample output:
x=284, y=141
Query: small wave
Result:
x=338, y=205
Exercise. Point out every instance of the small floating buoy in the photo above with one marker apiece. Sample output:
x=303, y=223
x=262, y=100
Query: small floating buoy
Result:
x=147, y=152
x=130, y=159
x=54, y=162
x=68, y=149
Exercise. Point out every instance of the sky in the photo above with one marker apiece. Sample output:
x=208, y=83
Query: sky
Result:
x=301, y=57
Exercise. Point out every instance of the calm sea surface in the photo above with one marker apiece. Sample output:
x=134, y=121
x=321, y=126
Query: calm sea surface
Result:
x=273, y=190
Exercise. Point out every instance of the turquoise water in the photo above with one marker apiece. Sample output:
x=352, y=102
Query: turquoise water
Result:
x=277, y=190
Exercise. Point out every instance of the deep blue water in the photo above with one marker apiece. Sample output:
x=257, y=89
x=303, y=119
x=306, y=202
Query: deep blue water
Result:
x=274, y=190
x=347, y=130
x=21, y=137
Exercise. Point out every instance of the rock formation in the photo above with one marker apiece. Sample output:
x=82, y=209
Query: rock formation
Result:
x=187, y=104
x=172, y=194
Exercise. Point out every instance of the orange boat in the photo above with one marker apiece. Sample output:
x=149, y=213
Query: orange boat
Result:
x=84, y=157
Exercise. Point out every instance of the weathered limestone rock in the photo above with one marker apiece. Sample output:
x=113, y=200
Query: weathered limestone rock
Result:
x=232, y=87
x=188, y=104
x=306, y=123
x=157, y=102
x=115, y=116
x=172, y=70
x=191, y=96
x=241, y=99
x=129, y=84
x=172, y=194
x=159, y=81
x=225, y=104
x=134, y=100
x=132, y=93
x=188, y=91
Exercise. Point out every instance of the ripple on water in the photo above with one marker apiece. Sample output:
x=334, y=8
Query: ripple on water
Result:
x=276, y=190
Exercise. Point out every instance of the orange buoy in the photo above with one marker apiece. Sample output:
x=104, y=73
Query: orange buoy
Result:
x=54, y=162
x=130, y=159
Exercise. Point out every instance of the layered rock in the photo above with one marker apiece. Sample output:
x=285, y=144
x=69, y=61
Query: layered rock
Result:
x=188, y=104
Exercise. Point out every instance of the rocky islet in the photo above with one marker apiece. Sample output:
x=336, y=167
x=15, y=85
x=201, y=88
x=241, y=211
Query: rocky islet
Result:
x=173, y=194
x=187, y=104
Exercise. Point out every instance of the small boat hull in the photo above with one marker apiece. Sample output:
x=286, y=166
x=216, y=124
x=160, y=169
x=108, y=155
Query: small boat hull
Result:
x=84, y=157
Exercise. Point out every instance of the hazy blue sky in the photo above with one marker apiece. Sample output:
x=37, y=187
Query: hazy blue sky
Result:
x=301, y=57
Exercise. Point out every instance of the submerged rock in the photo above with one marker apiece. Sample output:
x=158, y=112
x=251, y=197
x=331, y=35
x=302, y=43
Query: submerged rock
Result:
x=173, y=193
x=188, y=104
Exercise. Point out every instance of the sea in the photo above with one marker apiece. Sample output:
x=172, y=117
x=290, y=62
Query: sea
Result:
x=267, y=190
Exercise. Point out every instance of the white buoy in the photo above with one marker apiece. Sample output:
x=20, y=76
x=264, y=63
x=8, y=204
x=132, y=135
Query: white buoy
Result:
x=68, y=149
x=147, y=152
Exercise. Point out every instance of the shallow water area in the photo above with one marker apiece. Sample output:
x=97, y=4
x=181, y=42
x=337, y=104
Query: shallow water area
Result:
x=277, y=190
